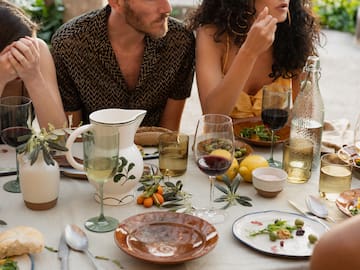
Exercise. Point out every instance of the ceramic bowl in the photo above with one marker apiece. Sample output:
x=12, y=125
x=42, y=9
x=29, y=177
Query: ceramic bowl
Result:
x=269, y=181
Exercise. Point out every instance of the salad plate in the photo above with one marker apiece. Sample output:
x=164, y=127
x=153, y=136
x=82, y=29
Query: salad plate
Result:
x=255, y=123
x=246, y=229
x=165, y=237
x=24, y=262
x=347, y=202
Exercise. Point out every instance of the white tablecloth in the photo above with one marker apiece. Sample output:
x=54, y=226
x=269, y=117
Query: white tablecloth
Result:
x=76, y=204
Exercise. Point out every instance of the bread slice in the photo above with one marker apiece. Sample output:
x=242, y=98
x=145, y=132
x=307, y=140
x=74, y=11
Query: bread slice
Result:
x=20, y=240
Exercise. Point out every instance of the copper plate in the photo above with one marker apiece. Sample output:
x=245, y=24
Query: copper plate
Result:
x=240, y=124
x=165, y=237
x=346, y=200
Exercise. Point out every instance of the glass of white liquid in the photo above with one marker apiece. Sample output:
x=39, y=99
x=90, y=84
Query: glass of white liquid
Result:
x=101, y=155
x=335, y=176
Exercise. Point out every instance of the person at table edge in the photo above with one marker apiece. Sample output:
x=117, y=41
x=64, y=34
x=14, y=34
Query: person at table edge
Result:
x=129, y=55
x=243, y=45
x=26, y=66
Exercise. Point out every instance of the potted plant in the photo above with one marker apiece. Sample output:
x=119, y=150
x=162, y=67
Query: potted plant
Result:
x=39, y=173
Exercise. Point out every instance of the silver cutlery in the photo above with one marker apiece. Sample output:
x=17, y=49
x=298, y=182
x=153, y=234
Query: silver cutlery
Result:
x=63, y=253
x=77, y=240
x=318, y=208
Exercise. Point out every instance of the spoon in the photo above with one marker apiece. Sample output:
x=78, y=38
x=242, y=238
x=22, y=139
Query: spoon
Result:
x=318, y=208
x=77, y=240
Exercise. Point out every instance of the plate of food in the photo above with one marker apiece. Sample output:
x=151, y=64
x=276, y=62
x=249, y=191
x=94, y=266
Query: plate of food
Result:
x=279, y=233
x=252, y=131
x=350, y=154
x=242, y=150
x=348, y=202
x=165, y=237
x=22, y=262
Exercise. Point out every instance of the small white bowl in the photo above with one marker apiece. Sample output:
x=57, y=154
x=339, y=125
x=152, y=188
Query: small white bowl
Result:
x=269, y=181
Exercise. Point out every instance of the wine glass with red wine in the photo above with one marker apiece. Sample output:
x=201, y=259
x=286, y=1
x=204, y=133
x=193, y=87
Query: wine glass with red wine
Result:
x=275, y=113
x=15, y=128
x=214, y=152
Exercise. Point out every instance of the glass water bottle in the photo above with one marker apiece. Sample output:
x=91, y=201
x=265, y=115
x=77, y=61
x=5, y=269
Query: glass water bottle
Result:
x=308, y=110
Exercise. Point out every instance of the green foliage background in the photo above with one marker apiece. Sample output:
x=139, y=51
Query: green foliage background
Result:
x=334, y=14
x=337, y=14
x=49, y=18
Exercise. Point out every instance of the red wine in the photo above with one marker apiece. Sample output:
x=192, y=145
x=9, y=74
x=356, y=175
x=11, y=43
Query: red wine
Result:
x=274, y=118
x=213, y=165
x=15, y=136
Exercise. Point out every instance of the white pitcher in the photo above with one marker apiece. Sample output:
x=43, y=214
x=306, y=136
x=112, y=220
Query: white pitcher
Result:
x=131, y=165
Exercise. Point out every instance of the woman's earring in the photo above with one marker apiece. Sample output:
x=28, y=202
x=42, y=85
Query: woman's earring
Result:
x=289, y=17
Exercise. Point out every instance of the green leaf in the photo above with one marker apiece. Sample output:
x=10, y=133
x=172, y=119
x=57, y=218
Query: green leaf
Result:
x=242, y=202
x=169, y=184
x=221, y=188
x=47, y=157
x=131, y=166
x=235, y=185
x=56, y=146
x=245, y=198
x=34, y=155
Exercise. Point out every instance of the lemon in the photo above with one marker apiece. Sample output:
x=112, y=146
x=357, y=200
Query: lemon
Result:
x=249, y=164
x=232, y=172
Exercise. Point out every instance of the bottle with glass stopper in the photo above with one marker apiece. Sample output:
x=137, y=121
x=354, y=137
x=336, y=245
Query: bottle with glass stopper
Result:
x=308, y=110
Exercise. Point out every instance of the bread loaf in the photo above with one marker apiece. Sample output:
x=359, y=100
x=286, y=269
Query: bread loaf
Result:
x=149, y=136
x=20, y=240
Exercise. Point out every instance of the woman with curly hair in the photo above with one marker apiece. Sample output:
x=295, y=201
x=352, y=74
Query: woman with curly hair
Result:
x=27, y=67
x=242, y=45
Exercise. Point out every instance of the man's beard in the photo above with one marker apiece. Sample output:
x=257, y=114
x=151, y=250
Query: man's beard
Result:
x=135, y=21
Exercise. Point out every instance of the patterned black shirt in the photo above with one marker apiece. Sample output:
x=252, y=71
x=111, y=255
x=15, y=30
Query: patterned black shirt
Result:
x=90, y=79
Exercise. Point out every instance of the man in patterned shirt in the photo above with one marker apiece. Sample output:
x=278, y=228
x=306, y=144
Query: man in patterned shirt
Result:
x=128, y=55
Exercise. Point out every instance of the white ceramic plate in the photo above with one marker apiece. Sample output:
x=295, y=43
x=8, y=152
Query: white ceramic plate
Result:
x=8, y=160
x=24, y=262
x=298, y=246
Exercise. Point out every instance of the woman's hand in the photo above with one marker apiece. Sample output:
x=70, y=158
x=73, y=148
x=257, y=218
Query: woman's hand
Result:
x=7, y=71
x=24, y=56
x=261, y=34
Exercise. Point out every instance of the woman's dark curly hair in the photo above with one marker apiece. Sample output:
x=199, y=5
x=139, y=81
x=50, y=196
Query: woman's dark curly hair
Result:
x=295, y=39
x=14, y=23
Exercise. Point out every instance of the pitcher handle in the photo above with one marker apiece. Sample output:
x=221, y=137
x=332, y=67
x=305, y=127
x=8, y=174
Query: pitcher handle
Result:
x=69, y=156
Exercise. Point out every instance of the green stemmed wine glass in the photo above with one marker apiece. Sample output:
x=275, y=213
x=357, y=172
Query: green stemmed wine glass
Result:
x=101, y=155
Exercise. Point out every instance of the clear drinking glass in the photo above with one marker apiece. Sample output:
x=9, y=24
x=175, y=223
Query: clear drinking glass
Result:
x=173, y=153
x=275, y=113
x=15, y=126
x=357, y=134
x=214, y=152
x=101, y=157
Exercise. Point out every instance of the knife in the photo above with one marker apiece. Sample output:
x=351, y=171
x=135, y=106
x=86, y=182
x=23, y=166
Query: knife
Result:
x=63, y=253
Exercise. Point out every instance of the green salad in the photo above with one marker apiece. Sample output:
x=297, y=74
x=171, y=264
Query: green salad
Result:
x=259, y=133
x=8, y=264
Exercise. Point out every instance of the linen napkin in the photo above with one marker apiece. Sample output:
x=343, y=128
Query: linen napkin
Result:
x=336, y=134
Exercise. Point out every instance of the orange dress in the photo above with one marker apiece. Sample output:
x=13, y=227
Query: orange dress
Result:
x=250, y=105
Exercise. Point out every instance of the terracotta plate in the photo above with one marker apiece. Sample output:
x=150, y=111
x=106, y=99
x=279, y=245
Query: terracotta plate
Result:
x=347, y=200
x=165, y=237
x=240, y=124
